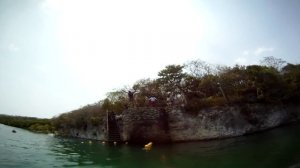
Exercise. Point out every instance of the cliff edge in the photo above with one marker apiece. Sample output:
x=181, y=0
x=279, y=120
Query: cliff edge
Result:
x=164, y=125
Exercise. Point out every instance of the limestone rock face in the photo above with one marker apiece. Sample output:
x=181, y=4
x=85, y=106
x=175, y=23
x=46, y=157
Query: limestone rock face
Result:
x=163, y=125
x=91, y=132
x=142, y=125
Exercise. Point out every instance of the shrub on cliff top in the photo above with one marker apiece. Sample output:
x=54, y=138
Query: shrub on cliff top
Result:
x=198, y=85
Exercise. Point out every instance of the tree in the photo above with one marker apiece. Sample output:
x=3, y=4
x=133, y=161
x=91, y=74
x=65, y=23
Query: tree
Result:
x=233, y=80
x=273, y=62
x=208, y=85
x=268, y=80
x=291, y=76
x=171, y=77
x=171, y=81
x=199, y=68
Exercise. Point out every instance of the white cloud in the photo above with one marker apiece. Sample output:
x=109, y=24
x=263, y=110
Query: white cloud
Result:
x=125, y=40
x=13, y=48
x=248, y=57
x=245, y=52
x=241, y=61
x=261, y=50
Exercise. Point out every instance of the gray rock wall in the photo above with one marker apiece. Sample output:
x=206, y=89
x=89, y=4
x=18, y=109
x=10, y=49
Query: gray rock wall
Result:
x=140, y=125
x=98, y=132
x=145, y=124
x=92, y=132
x=210, y=123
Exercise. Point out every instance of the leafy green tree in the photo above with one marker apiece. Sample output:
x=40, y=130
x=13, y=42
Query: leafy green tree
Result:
x=171, y=81
x=233, y=80
x=117, y=100
x=30, y=123
x=171, y=78
x=291, y=76
x=209, y=85
x=268, y=81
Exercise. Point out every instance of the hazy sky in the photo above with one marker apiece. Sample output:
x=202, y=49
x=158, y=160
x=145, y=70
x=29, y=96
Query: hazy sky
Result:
x=58, y=55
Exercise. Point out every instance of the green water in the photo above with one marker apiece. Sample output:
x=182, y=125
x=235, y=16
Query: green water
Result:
x=275, y=148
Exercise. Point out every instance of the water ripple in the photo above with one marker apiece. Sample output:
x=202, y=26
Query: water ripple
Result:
x=278, y=148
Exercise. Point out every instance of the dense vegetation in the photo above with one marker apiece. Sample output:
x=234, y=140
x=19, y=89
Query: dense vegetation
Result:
x=192, y=86
x=197, y=85
x=30, y=123
x=92, y=114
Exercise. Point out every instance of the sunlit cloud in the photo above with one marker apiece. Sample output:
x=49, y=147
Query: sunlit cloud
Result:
x=261, y=50
x=241, y=61
x=245, y=52
x=126, y=39
x=13, y=47
x=248, y=57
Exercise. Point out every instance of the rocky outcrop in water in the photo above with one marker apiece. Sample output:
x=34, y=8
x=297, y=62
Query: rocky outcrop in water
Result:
x=162, y=125
x=146, y=124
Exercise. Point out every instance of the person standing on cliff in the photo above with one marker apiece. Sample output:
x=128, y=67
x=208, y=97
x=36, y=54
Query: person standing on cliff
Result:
x=152, y=101
x=130, y=94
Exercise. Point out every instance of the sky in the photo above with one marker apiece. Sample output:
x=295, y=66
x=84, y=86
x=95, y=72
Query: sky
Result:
x=59, y=55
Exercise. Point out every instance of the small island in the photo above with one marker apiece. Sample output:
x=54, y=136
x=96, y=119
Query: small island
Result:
x=39, y=125
x=190, y=102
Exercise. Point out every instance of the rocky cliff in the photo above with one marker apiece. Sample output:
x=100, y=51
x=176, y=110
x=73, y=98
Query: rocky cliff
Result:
x=163, y=125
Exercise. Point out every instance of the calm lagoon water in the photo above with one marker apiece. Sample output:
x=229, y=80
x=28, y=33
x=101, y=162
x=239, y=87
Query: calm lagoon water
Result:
x=278, y=147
